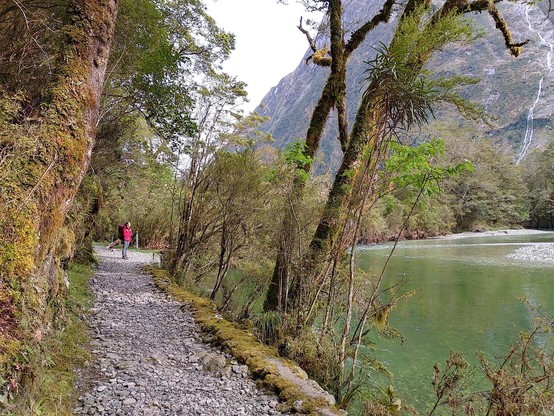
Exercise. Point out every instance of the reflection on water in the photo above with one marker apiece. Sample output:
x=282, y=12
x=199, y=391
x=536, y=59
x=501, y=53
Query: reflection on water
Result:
x=468, y=299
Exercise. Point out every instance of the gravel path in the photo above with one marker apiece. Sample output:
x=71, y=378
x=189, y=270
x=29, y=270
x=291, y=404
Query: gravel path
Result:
x=149, y=356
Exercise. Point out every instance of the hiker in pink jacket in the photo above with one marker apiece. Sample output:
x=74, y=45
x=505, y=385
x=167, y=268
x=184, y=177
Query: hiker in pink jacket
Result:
x=127, y=237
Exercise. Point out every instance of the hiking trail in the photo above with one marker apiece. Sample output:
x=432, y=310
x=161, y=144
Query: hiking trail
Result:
x=149, y=357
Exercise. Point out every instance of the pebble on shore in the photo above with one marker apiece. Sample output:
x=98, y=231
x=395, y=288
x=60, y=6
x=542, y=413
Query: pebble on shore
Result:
x=541, y=252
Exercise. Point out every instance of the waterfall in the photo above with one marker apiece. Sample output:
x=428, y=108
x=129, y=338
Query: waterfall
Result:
x=529, y=130
x=530, y=115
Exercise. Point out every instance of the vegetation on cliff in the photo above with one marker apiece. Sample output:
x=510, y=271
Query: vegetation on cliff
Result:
x=52, y=75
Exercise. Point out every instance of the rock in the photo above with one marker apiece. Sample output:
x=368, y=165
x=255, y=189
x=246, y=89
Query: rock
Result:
x=113, y=356
x=298, y=406
x=301, y=373
x=214, y=363
x=158, y=358
x=206, y=357
x=240, y=369
x=283, y=408
x=226, y=372
x=122, y=365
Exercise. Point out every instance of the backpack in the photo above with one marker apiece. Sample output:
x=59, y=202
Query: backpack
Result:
x=120, y=231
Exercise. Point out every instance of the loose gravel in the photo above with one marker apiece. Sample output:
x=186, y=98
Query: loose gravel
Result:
x=540, y=252
x=149, y=354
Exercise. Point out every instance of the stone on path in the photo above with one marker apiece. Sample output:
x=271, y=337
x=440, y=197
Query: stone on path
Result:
x=149, y=355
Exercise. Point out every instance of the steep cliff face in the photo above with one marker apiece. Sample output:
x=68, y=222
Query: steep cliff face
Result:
x=44, y=154
x=518, y=93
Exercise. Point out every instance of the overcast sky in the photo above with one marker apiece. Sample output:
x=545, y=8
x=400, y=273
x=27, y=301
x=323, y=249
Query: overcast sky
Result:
x=268, y=43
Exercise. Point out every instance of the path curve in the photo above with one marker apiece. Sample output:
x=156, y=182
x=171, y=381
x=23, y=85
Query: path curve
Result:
x=149, y=358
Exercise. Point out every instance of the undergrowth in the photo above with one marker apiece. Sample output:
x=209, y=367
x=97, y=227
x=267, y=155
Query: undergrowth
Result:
x=51, y=364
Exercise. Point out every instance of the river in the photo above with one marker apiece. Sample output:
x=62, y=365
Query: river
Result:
x=468, y=299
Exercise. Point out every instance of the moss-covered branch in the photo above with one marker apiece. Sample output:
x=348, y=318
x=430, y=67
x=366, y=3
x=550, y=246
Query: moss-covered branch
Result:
x=502, y=25
x=359, y=35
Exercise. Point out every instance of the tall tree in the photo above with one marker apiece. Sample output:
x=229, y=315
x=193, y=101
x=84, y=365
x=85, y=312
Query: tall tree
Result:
x=379, y=111
x=332, y=95
x=162, y=51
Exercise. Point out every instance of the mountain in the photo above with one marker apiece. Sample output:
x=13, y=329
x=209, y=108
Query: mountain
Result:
x=518, y=93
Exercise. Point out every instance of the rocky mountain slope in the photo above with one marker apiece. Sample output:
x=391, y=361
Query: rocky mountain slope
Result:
x=517, y=93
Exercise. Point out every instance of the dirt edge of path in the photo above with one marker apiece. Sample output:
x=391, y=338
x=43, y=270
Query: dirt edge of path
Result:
x=278, y=374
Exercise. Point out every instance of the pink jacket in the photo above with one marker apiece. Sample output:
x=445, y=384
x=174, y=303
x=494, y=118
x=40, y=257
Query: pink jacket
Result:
x=127, y=233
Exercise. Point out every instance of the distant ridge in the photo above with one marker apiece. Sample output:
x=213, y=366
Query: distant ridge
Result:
x=508, y=89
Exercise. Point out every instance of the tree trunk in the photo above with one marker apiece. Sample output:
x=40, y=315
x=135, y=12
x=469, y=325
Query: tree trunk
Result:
x=334, y=89
x=333, y=94
x=363, y=134
x=73, y=107
x=367, y=135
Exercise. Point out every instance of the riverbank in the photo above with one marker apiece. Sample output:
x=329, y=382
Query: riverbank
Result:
x=490, y=234
x=536, y=252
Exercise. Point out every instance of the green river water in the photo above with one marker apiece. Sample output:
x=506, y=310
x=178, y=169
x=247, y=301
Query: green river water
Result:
x=467, y=300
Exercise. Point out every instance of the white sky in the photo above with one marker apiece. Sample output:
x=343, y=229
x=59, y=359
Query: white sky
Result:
x=268, y=44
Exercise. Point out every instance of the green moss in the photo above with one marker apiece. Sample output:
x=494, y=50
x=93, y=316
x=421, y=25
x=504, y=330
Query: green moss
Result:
x=10, y=348
x=48, y=157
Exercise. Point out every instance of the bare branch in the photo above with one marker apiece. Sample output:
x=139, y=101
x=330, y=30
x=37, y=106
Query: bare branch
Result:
x=359, y=35
x=319, y=55
x=464, y=6
x=311, y=41
x=515, y=48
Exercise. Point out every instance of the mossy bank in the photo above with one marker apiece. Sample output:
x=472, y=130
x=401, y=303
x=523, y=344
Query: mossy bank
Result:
x=283, y=376
x=49, y=366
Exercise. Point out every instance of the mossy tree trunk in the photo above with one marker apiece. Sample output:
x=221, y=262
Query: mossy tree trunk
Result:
x=42, y=178
x=72, y=106
x=333, y=92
